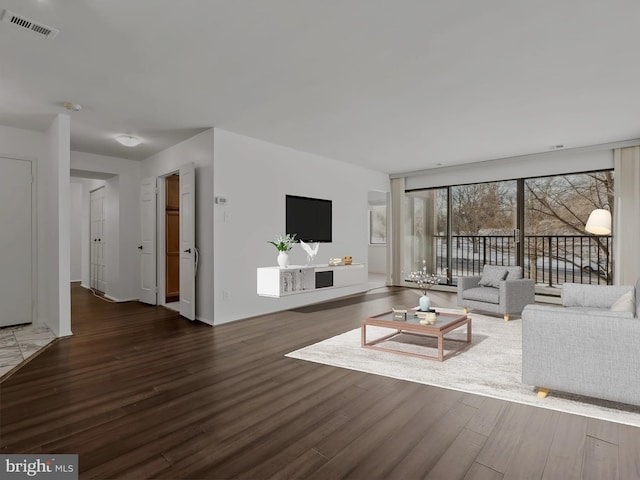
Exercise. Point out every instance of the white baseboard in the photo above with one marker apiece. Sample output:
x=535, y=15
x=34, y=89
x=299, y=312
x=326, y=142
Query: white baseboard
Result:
x=120, y=300
x=207, y=322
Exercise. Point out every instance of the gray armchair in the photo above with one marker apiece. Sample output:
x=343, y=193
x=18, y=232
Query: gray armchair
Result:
x=499, y=289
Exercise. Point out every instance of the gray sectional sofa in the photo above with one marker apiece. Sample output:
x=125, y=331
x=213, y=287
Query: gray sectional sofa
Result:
x=590, y=346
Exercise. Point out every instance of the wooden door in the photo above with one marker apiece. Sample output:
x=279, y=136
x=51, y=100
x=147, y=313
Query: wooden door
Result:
x=172, y=238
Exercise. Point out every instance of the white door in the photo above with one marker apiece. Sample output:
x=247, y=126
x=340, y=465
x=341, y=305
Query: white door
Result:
x=15, y=242
x=98, y=241
x=147, y=247
x=188, y=252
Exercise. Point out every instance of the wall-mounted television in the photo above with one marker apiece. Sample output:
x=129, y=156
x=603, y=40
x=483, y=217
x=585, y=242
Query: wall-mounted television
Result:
x=309, y=218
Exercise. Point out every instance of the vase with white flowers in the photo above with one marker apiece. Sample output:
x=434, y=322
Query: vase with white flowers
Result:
x=283, y=243
x=424, y=281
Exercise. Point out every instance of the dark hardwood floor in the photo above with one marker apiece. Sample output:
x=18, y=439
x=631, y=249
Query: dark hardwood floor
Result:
x=140, y=392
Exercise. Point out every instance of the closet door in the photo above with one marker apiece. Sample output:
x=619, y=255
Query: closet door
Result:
x=188, y=250
x=15, y=242
x=148, y=286
x=98, y=278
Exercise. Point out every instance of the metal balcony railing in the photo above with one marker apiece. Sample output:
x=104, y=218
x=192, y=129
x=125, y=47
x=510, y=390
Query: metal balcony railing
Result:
x=548, y=259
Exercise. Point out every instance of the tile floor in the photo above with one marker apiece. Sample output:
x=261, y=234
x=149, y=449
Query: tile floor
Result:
x=19, y=343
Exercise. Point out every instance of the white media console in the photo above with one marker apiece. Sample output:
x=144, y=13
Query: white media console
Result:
x=295, y=279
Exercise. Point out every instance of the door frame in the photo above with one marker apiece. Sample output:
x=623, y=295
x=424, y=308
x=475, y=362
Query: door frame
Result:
x=34, y=230
x=104, y=220
x=161, y=296
x=161, y=227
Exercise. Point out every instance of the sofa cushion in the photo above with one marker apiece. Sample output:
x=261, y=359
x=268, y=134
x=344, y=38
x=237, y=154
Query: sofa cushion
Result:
x=514, y=273
x=492, y=276
x=482, y=294
x=601, y=313
x=626, y=303
x=598, y=296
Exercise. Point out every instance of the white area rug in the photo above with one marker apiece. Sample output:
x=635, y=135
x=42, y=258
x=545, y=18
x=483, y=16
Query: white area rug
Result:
x=491, y=366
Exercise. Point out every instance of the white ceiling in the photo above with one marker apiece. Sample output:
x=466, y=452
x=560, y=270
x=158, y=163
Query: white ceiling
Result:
x=393, y=85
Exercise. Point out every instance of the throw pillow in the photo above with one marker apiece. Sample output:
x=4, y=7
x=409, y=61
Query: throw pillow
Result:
x=626, y=303
x=492, y=276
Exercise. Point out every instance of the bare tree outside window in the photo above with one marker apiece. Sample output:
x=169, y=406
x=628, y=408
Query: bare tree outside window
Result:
x=557, y=209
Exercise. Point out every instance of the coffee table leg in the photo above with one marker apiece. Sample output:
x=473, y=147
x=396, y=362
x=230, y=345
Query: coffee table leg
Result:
x=469, y=331
x=363, y=335
x=440, y=347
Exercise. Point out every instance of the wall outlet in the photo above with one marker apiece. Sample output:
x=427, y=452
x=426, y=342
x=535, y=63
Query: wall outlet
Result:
x=227, y=217
x=225, y=295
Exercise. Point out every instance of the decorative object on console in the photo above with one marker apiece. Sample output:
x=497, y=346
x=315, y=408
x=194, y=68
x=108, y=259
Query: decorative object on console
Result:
x=599, y=222
x=348, y=260
x=311, y=249
x=425, y=281
x=283, y=244
x=336, y=261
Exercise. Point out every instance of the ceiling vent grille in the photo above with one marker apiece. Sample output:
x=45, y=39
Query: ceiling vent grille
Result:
x=23, y=22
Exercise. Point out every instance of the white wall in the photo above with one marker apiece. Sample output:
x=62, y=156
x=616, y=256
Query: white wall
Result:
x=54, y=295
x=199, y=150
x=255, y=176
x=76, y=230
x=377, y=258
x=121, y=178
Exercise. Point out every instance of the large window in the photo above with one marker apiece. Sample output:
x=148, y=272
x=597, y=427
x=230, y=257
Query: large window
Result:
x=556, y=248
x=483, y=220
x=426, y=231
x=536, y=222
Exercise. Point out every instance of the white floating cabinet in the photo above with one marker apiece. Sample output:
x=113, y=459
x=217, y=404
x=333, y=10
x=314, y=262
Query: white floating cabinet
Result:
x=296, y=279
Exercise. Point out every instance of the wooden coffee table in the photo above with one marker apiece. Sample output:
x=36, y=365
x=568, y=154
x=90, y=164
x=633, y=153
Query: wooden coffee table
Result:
x=445, y=323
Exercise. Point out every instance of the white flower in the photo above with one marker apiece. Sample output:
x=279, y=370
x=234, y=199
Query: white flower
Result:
x=284, y=243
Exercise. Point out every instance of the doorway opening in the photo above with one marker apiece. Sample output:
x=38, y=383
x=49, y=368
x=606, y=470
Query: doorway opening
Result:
x=169, y=257
x=378, y=251
x=172, y=241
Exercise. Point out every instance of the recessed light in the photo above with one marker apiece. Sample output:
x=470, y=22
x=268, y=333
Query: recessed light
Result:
x=128, y=140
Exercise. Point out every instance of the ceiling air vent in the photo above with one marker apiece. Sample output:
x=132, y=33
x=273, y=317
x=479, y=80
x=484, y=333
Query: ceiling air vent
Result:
x=23, y=22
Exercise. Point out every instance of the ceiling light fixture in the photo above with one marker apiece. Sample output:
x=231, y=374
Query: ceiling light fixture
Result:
x=74, y=107
x=128, y=140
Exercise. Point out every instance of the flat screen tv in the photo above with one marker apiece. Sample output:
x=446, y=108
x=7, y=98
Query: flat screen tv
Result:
x=309, y=218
